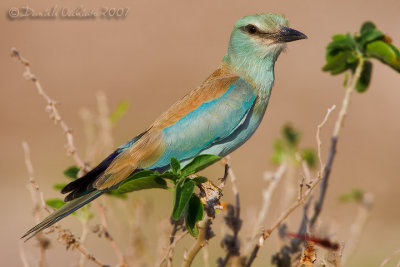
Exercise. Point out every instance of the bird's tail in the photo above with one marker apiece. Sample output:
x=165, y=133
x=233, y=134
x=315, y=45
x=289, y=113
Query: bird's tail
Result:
x=62, y=212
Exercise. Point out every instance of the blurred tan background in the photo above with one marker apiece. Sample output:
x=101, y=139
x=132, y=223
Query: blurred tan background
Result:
x=155, y=55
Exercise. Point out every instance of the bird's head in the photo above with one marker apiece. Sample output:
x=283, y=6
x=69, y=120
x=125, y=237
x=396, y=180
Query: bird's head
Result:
x=259, y=37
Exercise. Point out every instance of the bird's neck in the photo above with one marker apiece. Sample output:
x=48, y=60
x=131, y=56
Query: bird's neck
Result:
x=259, y=72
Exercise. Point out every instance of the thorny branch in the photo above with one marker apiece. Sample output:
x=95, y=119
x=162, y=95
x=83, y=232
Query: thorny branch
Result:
x=299, y=201
x=52, y=110
x=70, y=241
x=71, y=150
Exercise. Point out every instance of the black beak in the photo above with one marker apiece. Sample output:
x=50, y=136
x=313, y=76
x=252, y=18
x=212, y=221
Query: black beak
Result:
x=286, y=35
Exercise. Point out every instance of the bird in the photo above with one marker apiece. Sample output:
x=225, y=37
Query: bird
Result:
x=215, y=118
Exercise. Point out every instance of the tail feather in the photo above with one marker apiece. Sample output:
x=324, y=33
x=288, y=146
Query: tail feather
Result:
x=81, y=191
x=62, y=212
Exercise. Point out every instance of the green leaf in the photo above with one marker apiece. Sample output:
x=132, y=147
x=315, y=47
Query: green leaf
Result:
x=170, y=175
x=367, y=26
x=59, y=186
x=115, y=193
x=356, y=195
x=290, y=135
x=340, y=54
x=142, y=183
x=385, y=52
x=55, y=203
x=194, y=213
x=309, y=156
x=182, y=192
x=369, y=33
x=72, y=172
x=175, y=165
x=119, y=111
x=365, y=77
x=370, y=37
x=340, y=62
x=200, y=179
x=199, y=163
x=340, y=43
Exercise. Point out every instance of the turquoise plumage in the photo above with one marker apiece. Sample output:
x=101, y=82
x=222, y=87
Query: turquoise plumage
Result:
x=215, y=118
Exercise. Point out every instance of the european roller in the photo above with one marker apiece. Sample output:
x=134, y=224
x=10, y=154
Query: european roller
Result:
x=215, y=118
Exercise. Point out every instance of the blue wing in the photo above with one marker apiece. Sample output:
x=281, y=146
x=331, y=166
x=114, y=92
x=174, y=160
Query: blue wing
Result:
x=208, y=124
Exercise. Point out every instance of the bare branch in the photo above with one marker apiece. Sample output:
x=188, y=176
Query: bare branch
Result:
x=318, y=136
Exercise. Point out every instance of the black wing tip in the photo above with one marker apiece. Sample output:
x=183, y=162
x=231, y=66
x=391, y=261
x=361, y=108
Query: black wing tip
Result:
x=69, y=197
x=66, y=189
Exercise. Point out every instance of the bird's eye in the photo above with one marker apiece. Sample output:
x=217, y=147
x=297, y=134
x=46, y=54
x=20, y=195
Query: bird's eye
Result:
x=251, y=29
